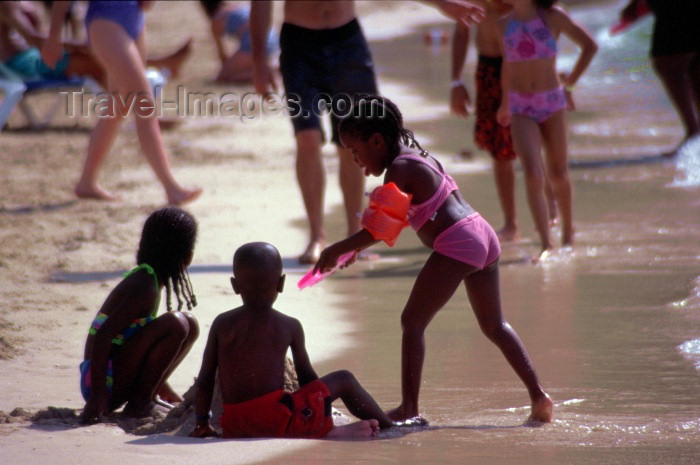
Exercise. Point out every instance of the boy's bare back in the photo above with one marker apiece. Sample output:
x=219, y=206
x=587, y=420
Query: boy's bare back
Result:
x=251, y=351
x=248, y=345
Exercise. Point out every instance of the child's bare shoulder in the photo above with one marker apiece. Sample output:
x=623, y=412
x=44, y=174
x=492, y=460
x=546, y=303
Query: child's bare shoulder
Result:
x=227, y=320
x=289, y=322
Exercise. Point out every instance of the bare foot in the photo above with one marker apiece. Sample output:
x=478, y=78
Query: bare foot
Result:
x=401, y=414
x=542, y=257
x=94, y=192
x=508, y=233
x=359, y=429
x=542, y=410
x=183, y=196
x=312, y=253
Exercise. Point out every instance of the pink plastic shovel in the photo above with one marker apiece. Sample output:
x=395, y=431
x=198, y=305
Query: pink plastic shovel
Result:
x=311, y=278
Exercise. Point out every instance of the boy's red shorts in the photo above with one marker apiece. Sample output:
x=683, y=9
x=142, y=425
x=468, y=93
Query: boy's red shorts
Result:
x=305, y=413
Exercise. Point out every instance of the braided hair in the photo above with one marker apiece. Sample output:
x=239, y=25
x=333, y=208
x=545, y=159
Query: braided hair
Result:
x=167, y=240
x=374, y=114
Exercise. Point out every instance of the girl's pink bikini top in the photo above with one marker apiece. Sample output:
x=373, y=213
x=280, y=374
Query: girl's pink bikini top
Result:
x=528, y=40
x=419, y=214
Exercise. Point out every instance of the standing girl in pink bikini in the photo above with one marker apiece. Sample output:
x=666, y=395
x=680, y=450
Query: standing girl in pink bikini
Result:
x=417, y=191
x=534, y=103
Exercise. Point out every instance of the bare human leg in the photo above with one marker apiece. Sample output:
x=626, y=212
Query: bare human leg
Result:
x=554, y=136
x=553, y=211
x=144, y=363
x=101, y=140
x=504, y=175
x=528, y=145
x=682, y=86
x=435, y=284
x=165, y=391
x=484, y=295
x=352, y=183
x=343, y=385
x=123, y=60
x=311, y=177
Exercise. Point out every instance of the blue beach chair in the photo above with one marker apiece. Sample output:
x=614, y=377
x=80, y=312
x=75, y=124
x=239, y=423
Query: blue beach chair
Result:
x=16, y=90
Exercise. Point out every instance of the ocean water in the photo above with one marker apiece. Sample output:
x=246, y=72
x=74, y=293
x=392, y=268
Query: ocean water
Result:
x=613, y=327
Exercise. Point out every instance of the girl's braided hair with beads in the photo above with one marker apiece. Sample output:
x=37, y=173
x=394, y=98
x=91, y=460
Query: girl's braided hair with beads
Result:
x=374, y=114
x=167, y=240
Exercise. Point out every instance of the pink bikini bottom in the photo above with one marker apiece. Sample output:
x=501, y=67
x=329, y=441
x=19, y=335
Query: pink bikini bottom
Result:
x=537, y=106
x=471, y=240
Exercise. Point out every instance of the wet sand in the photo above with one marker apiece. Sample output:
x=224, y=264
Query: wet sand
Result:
x=610, y=328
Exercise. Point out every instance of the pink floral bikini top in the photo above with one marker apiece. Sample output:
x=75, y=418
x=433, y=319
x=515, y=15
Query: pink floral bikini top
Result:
x=529, y=40
x=419, y=214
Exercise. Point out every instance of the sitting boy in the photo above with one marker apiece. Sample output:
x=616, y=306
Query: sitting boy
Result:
x=248, y=346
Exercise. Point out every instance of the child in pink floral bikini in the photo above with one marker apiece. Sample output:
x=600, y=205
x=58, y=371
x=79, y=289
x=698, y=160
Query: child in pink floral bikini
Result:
x=534, y=101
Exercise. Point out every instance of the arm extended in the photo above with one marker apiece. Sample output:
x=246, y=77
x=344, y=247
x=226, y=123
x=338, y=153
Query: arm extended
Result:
x=302, y=364
x=205, y=385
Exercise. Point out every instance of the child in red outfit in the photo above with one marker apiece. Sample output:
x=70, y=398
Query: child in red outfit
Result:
x=248, y=346
x=305, y=413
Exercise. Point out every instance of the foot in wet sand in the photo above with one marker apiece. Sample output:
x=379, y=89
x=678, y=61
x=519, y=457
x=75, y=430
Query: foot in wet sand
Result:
x=406, y=417
x=359, y=429
x=182, y=196
x=542, y=257
x=94, y=192
x=542, y=410
x=312, y=253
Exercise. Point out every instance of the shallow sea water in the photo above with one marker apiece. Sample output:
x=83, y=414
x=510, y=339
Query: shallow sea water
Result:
x=613, y=326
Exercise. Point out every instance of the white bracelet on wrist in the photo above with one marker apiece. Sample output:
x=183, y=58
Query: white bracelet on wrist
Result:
x=456, y=83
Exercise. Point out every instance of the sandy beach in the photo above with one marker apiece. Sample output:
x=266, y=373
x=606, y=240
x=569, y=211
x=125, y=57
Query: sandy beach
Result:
x=613, y=329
